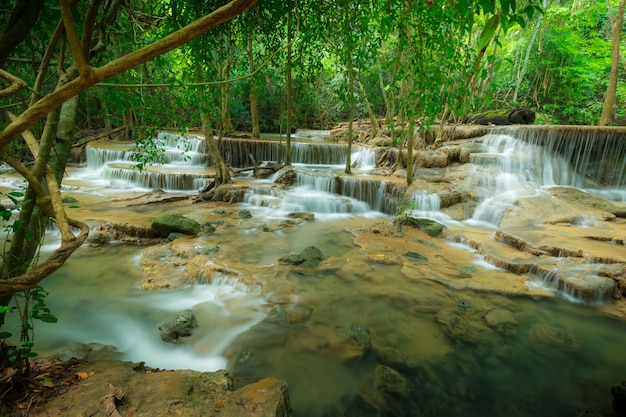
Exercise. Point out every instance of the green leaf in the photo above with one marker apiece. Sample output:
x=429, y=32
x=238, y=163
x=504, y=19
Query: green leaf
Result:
x=488, y=6
x=489, y=30
x=47, y=318
x=506, y=5
x=5, y=335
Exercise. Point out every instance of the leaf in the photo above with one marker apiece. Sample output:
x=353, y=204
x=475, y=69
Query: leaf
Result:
x=47, y=318
x=5, y=335
x=488, y=6
x=83, y=375
x=488, y=31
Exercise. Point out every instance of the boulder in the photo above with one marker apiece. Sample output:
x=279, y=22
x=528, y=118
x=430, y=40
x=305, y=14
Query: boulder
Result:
x=428, y=226
x=286, y=176
x=310, y=257
x=179, y=327
x=168, y=223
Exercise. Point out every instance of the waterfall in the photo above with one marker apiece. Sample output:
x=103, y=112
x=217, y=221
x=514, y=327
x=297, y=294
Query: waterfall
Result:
x=238, y=151
x=512, y=167
x=168, y=181
x=595, y=154
x=580, y=284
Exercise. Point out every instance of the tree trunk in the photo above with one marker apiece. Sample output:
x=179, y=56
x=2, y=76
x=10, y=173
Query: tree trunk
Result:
x=531, y=42
x=370, y=112
x=254, y=108
x=611, y=91
x=289, y=86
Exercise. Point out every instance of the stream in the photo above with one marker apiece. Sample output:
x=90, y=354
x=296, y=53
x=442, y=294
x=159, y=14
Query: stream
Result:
x=456, y=335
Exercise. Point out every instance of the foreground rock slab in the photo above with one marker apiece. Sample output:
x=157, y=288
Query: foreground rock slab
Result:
x=160, y=393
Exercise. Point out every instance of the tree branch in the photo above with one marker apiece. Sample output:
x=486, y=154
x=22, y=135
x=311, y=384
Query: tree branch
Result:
x=166, y=44
x=17, y=84
x=70, y=30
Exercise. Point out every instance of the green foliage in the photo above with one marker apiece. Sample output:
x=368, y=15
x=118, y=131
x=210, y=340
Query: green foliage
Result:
x=29, y=306
x=147, y=151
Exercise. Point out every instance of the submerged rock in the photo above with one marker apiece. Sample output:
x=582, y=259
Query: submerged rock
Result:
x=179, y=327
x=547, y=340
x=351, y=340
x=168, y=223
x=619, y=398
x=391, y=380
x=501, y=320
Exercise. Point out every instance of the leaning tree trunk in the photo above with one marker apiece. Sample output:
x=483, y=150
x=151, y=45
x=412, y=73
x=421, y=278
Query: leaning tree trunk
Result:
x=611, y=91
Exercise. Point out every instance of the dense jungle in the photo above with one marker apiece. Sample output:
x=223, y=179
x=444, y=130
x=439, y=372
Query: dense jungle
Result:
x=312, y=208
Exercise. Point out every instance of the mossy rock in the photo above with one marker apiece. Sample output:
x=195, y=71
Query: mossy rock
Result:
x=168, y=223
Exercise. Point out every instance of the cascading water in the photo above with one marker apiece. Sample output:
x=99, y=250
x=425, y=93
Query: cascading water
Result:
x=595, y=155
x=510, y=168
x=428, y=305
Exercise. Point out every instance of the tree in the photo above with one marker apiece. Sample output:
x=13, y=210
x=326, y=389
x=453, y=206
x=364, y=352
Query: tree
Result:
x=609, y=97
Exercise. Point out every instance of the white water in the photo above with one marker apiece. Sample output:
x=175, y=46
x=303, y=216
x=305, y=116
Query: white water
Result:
x=511, y=168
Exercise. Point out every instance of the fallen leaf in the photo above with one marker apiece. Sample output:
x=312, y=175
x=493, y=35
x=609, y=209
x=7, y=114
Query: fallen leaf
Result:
x=83, y=375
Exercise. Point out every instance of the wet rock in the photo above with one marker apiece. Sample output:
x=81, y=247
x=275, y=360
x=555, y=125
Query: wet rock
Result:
x=391, y=380
x=97, y=238
x=309, y=217
x=501, y=320
x=244, y=214
x=174, y=235
x=415, y=257
x=431, y=159
x=168, y=223
x=351, y=340
x=229, y=193
x=619, y=398
x=286, y=176
x=87, y=352
x=268, y=397
x=548, y=340
x=67, y=199
x=209, y=250
x=382, y=141
x=428, y=226
x=310, y=257
x=207, y=228
x=127, y=233
x=464, y=322
x=180, y=327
